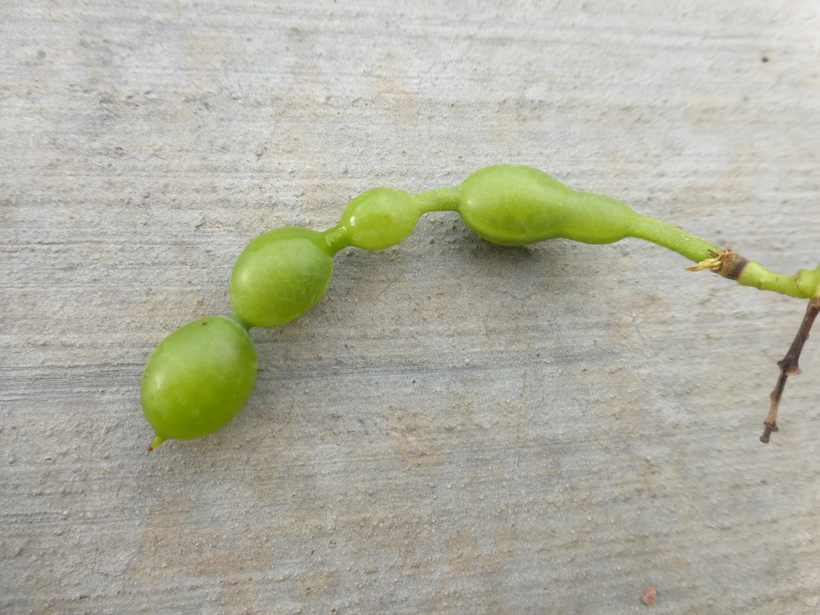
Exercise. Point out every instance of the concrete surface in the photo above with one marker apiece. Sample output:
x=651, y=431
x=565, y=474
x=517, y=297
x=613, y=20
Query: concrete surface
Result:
x=457, y=427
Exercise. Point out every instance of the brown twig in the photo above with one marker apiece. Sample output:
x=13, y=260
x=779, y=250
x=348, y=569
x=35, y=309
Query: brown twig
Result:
x=789, y=367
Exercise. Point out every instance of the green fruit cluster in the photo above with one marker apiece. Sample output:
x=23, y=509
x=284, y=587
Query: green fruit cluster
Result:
x=199, y=377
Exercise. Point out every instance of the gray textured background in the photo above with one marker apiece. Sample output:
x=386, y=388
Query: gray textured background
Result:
x=457, y=427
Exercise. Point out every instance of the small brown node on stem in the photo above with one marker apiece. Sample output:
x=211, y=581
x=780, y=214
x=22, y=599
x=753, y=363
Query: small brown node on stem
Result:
x=726, y=263
x=789, y=367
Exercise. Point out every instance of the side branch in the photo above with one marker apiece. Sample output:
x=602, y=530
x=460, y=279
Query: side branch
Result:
x=789, y=366
x=805, y=283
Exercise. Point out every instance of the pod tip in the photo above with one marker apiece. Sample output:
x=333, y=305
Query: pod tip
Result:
x=157, y=441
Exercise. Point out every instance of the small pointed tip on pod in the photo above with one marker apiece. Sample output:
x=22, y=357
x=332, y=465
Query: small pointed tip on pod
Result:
x=157, y=441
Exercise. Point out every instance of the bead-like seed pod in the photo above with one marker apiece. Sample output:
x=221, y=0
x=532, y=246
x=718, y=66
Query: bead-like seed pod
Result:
x=198, y=378
x=516, y=205
x=280, y=276
x=379, y=218
x=200, y=375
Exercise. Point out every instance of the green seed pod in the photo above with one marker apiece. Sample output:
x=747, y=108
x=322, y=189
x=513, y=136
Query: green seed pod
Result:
x=198, y=378
x=379, y=218
x=280, y=276
x=515, y=205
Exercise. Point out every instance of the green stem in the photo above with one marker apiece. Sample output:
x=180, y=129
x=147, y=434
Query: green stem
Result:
x=805, y=284
x=438, y=199
x=669, y=236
